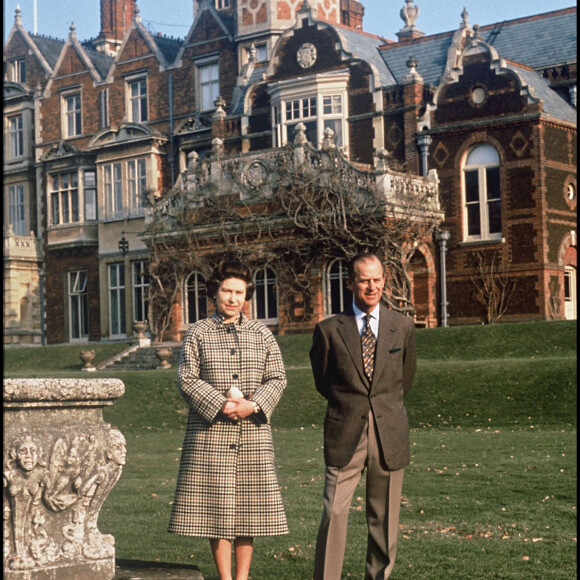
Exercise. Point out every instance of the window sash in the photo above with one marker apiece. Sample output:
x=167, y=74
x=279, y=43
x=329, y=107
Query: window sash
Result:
x=196, y=292
x=141, y=283
x=266, y=295
x=208, y=84
x=137, y=180
x=138, y=101
x=78, y=305
x=16, y=137
x=17, y=209
x=482, y=202
x=73, y=115
x=117, y=319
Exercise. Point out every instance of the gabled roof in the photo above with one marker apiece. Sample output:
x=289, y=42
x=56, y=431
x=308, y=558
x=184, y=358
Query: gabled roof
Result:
x=536, y=42
x=50, y=48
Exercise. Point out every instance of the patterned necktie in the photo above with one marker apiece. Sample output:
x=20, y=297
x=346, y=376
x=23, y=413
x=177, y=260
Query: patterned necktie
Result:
x=369, y=343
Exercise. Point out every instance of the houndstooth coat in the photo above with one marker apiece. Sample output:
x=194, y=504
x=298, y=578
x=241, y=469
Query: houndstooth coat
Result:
x=227, y=485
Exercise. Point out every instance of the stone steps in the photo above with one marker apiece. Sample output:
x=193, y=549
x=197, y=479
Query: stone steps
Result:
x=137, y=358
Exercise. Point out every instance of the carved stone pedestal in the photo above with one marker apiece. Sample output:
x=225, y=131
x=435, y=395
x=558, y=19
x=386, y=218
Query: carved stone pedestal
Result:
x=61, y=460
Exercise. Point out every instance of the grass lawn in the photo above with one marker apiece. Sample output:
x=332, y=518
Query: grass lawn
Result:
x=490, y=492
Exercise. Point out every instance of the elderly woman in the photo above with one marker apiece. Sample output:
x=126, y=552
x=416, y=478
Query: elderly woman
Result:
x=232, y=376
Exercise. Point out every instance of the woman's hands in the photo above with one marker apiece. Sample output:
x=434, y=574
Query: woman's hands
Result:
x=237, y=409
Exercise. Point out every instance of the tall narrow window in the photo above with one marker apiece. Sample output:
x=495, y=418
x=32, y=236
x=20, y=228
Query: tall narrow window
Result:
x=208, y=84
x=117, y=322
x=17, y=209
x=138, y=101
x=90, y=196
x=113, y=181
x=266, y=295
x=196, y=292
x=481, y=182
x=104, y=98
x=140, y=289
x=72, y=104
x=338, y=296
x=16, y=137
x=137, y=170
x=78, y=305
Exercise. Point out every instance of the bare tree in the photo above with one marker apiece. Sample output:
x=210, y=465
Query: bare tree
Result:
x=300, y=208
x=493, y=283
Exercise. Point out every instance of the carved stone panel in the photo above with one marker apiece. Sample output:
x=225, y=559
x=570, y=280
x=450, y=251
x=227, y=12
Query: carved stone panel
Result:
x=61, y=460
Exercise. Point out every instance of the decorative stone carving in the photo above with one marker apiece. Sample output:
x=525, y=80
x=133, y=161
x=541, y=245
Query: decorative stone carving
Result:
x=87, y=357
x=60, y=463
x=306, y=55
x=163, y=354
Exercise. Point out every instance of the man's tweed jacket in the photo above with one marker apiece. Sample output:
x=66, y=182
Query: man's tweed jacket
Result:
x=337, y=365
x=227, y=485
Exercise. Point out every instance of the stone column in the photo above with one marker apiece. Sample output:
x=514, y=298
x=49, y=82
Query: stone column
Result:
x=61, y=460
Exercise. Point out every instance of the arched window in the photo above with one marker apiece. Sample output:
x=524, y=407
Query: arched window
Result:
x=337, y=295
x=265, y=300
x=196, y=298
x=482, y=200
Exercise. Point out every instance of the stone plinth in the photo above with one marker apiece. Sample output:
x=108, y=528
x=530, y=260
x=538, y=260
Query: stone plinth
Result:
x=61, y=460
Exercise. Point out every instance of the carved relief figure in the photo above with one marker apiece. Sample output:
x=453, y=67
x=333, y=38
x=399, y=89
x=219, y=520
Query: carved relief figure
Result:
x=24, y=480
x=94, y=492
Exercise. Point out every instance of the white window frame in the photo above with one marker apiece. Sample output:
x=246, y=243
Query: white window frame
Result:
x=288, y=100
x=117, y=317
x=196, y=304
x=113, y=187
x=18, y=70
x=141, y=283
x=137, y=95
x=16, y=130
x=221, y=4
x=336, y=281
x=481, y=164
x=570, y=301
x=72, y=114
x=65, y=198
x=206, y=102
x=125, y=185
x=17, y=209
x=90, y=194
x=265, y=286
x=137, y=182
x=78, y=307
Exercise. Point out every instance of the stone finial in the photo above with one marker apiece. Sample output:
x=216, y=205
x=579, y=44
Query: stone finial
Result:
x=476, y=38
x=300, y=135
x=220, y=103
x=328, y=141
x=18, y=15
x=464, y=17
x=412, y=64
x=253, y=52
x=73, y=30
x=409, y=14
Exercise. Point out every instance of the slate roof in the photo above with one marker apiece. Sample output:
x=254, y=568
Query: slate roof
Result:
x=537, y=41
x=169, y=47
x=553, y=104
x=365, y=46
x=49, y=47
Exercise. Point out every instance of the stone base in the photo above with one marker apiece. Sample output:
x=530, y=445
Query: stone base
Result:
x=137, y=569
x=94, y=570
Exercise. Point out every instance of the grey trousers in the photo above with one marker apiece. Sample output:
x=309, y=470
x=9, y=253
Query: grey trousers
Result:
x=383, y=491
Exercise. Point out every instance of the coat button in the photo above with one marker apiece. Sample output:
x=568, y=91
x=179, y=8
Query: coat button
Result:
x=233, y=446
x=233, y=351
x=234, y=376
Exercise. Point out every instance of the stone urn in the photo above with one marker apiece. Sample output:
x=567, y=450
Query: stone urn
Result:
x=163, y=354
x=87, y=357
x=139, y=327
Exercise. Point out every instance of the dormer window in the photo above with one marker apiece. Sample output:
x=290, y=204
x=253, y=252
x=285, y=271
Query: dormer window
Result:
x=221, y=4
x=18, y=70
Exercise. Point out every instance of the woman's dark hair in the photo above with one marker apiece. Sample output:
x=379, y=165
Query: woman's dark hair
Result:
x=231, y=269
